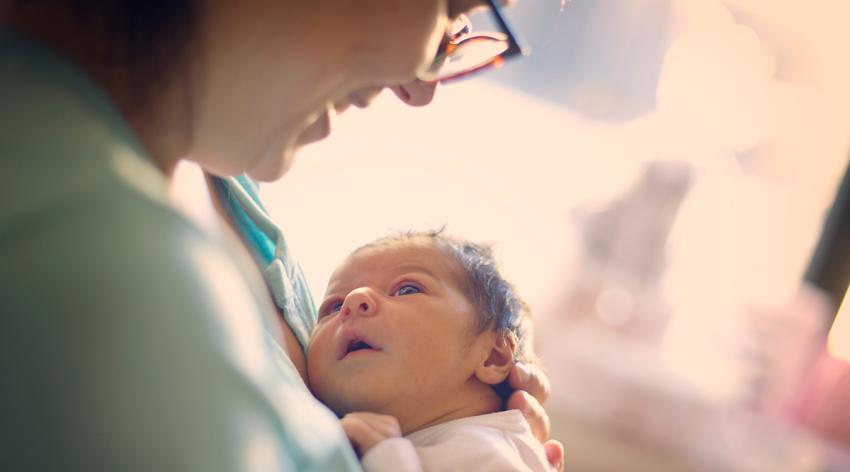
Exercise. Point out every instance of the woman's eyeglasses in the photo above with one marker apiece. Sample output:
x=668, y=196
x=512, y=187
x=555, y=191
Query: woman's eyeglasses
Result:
x=464, y=51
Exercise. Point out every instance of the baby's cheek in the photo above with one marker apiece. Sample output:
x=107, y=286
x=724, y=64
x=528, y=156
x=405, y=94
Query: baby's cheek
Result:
x=315, y=346
x=316, y=350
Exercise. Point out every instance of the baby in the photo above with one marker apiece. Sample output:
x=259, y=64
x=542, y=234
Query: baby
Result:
x=413, y=335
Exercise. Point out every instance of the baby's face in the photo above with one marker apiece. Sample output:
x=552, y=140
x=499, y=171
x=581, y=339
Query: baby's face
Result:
x=394, y=331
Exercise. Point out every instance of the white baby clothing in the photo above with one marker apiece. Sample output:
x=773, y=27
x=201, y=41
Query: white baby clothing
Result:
x=499, y=441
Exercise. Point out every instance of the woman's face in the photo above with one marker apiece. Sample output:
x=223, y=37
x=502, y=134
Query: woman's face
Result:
x=271, y=71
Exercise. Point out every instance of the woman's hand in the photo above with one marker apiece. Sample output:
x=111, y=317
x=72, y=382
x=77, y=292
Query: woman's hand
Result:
x=531, y=389
x=365, y=430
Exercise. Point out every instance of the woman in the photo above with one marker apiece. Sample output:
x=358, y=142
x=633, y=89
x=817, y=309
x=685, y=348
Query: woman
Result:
x=131, y=339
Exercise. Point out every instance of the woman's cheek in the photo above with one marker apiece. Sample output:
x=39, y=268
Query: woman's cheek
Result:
x=415, y=44
x=429, y=42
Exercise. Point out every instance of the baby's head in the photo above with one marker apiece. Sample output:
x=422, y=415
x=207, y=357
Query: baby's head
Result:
x=418, y=326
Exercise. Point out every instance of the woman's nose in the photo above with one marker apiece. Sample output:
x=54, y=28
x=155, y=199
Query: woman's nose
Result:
x=359, y=302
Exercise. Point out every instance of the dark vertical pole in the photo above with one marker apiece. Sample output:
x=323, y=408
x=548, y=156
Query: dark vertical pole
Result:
x=829, y=268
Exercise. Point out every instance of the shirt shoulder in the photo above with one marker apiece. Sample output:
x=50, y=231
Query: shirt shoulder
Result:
x=493, y=442
x=131, y=339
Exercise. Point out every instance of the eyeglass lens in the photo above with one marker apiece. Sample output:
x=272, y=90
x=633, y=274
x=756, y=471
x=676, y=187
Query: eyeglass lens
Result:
x=465, y=50
x=470, y=53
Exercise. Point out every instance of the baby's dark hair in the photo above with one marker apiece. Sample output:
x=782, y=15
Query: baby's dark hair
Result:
x=496, y=300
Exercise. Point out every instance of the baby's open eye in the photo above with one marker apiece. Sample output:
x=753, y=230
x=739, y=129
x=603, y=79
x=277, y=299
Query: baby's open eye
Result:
x=407, y=289
x=329, y=308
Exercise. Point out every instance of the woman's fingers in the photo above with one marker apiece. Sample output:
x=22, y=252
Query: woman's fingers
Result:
x=554, y=454
x=538, y=420
x=531, y=379
x=532, y=389
x=533, y=413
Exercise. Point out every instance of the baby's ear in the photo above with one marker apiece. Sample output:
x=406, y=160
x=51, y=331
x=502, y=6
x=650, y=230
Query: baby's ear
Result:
x=499, y=361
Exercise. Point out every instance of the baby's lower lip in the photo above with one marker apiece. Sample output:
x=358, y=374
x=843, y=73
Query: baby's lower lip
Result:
x=360, y=352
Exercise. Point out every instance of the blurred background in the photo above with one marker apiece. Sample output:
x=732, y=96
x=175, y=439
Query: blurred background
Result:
x=655, y=179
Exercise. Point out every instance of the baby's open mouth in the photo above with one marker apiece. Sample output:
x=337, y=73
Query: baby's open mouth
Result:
x=356, y=344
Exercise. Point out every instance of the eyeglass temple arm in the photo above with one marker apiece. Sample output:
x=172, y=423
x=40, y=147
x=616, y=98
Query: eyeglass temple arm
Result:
x=514, y=46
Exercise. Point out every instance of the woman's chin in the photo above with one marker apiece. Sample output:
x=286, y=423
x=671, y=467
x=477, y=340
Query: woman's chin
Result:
x=279, y=159
x=273, y=166
x=317, y=130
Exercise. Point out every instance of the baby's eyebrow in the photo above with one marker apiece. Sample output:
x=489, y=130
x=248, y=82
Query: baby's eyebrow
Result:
x=333, y=289
x=407, y=268
x=326, y=304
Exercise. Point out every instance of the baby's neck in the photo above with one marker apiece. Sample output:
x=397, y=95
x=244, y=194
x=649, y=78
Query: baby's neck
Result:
x=476, y=398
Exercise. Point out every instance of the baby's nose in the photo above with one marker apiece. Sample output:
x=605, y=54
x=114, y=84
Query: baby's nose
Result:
x=359, y=302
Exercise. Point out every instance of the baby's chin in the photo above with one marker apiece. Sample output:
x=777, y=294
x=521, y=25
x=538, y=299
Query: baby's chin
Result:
x=344, y=404
x=343, y=400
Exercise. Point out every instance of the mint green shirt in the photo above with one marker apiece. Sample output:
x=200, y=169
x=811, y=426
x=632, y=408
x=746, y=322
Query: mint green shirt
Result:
x=267, y=244
x=130, y=339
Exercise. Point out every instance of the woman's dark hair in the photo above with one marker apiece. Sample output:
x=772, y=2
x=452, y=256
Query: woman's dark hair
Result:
x=498, y=304
x=137, y=32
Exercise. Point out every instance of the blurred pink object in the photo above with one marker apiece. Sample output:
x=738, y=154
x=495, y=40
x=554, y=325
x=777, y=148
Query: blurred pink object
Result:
x=823, y=401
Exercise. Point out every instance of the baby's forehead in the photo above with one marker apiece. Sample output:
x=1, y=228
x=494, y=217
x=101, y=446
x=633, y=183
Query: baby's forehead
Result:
x=385, y=258
x=412, y=248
